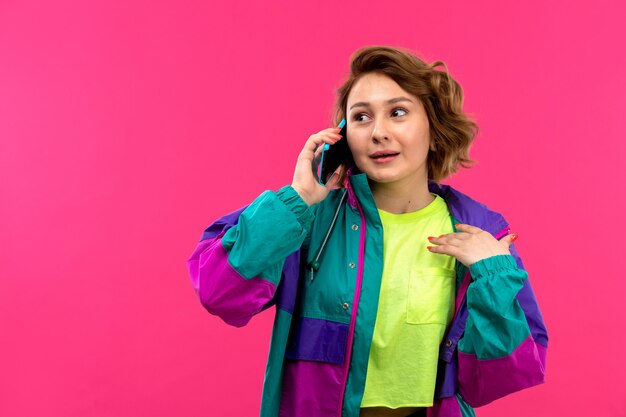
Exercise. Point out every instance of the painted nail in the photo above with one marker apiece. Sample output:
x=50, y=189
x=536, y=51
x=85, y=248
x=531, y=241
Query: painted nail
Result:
x=514, y=236
x=430, y=237
x=429, y=247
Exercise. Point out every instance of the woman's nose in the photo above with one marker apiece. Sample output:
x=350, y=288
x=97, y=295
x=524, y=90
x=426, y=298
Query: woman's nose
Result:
x=379, y=133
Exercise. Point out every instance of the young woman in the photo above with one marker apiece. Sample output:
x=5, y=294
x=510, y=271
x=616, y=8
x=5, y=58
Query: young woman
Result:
x=395, y=295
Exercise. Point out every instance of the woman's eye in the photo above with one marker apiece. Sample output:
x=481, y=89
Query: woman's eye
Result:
x=399, y=109
x=357, y=116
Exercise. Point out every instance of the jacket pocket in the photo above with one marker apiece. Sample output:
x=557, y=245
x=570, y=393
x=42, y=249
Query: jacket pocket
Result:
x=318, y=340
x=430, y=295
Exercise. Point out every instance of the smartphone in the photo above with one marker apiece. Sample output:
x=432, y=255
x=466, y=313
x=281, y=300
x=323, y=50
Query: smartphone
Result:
x=334, y=155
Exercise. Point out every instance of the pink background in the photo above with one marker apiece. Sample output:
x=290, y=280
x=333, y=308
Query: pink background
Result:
x=127, y=127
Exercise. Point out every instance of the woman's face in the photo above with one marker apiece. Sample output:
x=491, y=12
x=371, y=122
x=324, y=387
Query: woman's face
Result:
x=401, y=127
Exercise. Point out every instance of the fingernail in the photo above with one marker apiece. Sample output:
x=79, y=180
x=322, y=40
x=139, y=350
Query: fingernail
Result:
x=514, y=236
x=429, y=247
x=430, y=237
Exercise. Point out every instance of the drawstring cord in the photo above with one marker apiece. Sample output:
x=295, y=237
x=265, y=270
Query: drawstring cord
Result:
x=332, y=225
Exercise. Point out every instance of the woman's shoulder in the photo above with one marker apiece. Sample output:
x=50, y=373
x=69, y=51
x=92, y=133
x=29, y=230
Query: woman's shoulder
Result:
x=468, y=209
x=327, y=209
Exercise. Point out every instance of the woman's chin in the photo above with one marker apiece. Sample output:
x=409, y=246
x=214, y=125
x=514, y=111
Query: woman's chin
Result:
x=380, y=179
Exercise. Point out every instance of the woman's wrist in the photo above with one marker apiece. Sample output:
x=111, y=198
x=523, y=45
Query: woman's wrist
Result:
x=303, y=195
x=296, y=204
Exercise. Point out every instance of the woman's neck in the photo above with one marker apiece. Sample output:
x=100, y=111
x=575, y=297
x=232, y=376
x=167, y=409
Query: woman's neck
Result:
x=401, y=198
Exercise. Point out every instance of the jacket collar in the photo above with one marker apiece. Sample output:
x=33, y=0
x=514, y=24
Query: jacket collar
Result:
x=462, y=207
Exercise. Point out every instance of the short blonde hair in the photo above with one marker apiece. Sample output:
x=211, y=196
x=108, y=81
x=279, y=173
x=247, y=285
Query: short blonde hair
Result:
x=451, y=130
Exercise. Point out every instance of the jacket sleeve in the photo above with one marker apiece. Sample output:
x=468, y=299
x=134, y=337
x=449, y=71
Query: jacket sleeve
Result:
x=237, y=266
x=503, y=348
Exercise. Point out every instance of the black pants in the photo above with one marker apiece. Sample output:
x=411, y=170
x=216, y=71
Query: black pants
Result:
x=418, y=413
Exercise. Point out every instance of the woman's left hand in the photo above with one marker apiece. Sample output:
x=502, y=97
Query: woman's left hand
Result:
x=471, y=244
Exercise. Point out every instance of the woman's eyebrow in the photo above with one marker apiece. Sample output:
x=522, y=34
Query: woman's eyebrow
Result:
x=393, y=100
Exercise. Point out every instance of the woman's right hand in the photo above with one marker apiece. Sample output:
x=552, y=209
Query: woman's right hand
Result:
x=304, y=182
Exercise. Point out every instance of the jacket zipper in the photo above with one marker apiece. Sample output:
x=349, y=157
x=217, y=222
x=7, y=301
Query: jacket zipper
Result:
x=355, y=306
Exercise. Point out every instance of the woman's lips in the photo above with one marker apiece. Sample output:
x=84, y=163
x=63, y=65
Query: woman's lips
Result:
x=385, y=159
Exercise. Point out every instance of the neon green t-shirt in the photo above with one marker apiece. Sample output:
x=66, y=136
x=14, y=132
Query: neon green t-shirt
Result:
x=416, y=305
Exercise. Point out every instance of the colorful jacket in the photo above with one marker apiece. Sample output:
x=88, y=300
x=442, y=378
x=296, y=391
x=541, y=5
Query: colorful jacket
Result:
x=321, y=266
